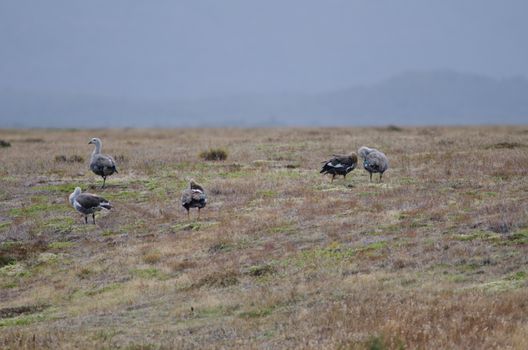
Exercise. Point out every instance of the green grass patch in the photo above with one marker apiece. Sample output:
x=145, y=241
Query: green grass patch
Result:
x=32, y=210
x=109, y=232
x=266, y=193
x=149, y=273
x=520, y=237
x=104, y=289
x=518, y=276
x=23, y=320
x=60, y=245
x=373, y=246
x=191, y=226
x=60, y=224
x=284, y=174
x=407, y=180
x=478, y=235
x=127, y=195
x=333, y=253
x=285, y=228
x=14, y=270
x=234, y=174
x=4, y=225
x=62, y=188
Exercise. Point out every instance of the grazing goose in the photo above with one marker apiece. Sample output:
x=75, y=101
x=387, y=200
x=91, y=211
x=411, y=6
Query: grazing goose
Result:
x=87, y=203
x=193, y=197
x=374, y=161
x=101, y=164
x=340, y=165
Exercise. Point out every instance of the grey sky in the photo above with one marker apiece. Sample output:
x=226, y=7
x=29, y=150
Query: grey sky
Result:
x=201, y=48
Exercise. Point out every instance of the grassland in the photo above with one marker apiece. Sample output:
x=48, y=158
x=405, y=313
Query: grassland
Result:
x=434, y=257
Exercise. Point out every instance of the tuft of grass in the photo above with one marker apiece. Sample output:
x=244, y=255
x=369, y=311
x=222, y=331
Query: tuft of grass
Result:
x=22, y=320
x=262, y=312
x=60, y=245
x=149, y=273
x=480, y=235
x=4, y=225
x=214, y=154
x=520, y=237
x=152, y=257
x=261, y=270
x=505, y=145
x=218, y=280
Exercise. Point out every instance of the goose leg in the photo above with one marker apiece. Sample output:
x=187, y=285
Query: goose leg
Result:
x=86, y=219
x=333, y=175
x=93, y=217
x=187, y=214
x=104, y=181
x=199, y=213
x=381, y=175
x=370, y=176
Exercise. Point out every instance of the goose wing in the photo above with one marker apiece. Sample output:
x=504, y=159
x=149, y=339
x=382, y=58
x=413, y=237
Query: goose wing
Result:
x=103, y=164
x=186, y=197
x=340, y=162
x=198, y=195
x=91, y=201
x=376, y=161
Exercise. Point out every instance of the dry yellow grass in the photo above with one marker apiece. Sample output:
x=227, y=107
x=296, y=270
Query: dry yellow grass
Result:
x=434, y=257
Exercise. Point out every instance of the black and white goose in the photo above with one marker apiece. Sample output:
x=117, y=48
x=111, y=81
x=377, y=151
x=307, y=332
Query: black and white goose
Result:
x=101, y=164
x=193, y=197
x=340, y=165
x=374, y=161
x=87, y=203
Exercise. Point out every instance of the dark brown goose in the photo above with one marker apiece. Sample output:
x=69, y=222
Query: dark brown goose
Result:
x=340, y=165
x=193, y=197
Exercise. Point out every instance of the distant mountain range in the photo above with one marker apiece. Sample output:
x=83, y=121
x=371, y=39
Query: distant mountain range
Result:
x=413, y=98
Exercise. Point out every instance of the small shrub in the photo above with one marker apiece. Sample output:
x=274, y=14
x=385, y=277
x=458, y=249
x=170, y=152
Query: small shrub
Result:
x=32, y=140
x=120, y=158
x=394, y=128
x=214, y=154
x=4, y=143
x=72, y=159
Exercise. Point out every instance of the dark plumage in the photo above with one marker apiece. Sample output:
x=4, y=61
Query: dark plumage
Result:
x=340, y=165
x=374, y=161
x=101, y=164
x=87, y=203
x=193, y=197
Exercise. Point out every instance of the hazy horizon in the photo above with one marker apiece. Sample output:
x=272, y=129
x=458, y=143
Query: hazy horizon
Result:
x=204, y=49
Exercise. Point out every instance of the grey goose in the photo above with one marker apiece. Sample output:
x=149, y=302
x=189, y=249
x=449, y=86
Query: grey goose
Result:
x=101, y=164
x=374, y=161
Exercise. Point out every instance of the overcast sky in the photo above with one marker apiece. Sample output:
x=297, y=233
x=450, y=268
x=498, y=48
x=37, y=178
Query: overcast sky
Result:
x=199, y=48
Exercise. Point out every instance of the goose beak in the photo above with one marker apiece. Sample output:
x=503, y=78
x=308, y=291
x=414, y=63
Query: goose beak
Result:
x=90, y=142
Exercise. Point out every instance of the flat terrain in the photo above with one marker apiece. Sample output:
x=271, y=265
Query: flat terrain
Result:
x=434, y=257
